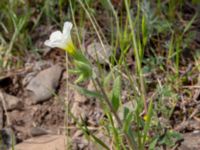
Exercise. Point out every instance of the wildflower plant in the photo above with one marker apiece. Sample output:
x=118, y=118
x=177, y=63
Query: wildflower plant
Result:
x=83, y=69
x=64, y=41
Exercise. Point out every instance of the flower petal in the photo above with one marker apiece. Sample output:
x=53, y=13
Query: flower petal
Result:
x=56, y=36
x=53, y=44
x=49, y=43
x=67, y=29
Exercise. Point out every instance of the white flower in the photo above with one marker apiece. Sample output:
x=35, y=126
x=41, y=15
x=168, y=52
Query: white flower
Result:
x=62, y=39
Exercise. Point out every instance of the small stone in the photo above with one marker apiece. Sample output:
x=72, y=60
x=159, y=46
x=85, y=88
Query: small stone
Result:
x=45, y=142
x=44, y=84
x=91, y=86
x=11, y=102
x=191, y=141
x=35, y=68
x=98, y=53
x=37, y=131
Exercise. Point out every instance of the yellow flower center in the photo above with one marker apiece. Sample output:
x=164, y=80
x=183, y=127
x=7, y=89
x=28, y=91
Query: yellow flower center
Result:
x=70, y=48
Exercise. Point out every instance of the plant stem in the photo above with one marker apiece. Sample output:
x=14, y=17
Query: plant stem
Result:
x=131, y=143
x=137, y=57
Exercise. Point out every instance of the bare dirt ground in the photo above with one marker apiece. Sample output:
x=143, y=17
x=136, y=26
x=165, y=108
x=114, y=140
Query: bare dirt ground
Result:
x=34, y=103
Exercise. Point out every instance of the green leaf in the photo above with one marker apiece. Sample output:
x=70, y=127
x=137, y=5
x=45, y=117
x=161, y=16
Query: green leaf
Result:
x=170, y=138
x=128, y=117
x=132, y=136
x=152, y=145
x=74, y=71
x=96, y=139
x=87, y=92
x=116, y=93
x=144, y=30
x=106, y=5
x=83, y=69
x=189, y=24
x=78, y=56
x=148, y=121
x=80, y=79
x=162, y=26
x=100, y=142
x=107, y=80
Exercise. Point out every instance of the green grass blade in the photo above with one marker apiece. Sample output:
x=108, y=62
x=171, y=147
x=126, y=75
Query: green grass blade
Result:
x=88, y=92
x=189, y=24
x=116, y=92
x=148, y=121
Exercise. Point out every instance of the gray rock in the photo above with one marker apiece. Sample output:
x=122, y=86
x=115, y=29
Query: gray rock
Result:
x=191, y=141
x=44, y=142
x=38, y=131
x=12, y=102
x=36, y=67
x=44, y=84
x=98, y=53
